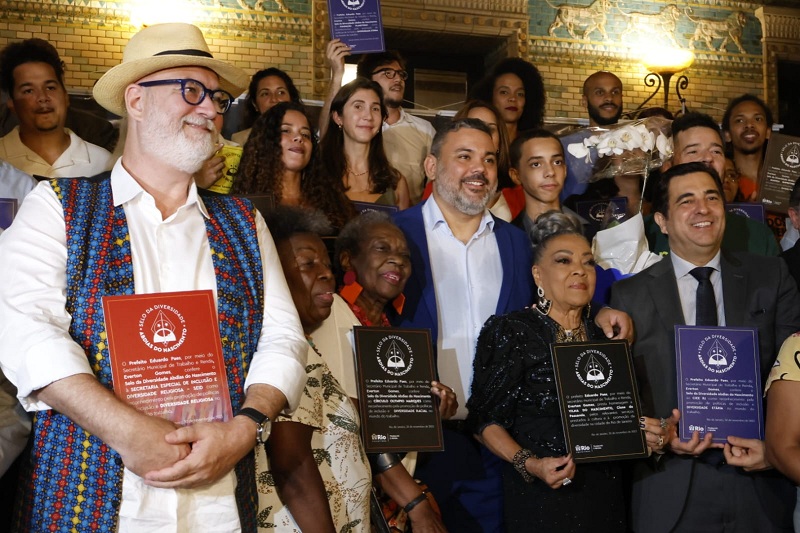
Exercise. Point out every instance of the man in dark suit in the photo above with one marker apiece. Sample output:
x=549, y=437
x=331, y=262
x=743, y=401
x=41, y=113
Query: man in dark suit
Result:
x=697, y=485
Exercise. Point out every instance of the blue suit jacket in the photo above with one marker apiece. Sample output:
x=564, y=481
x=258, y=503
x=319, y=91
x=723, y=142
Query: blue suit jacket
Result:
x=419, y=310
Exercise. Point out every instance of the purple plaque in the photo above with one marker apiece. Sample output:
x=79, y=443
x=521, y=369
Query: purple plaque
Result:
x=358, y=24
x=719, y=382
x=747, y=210
x=8, y=208
x=369, y=206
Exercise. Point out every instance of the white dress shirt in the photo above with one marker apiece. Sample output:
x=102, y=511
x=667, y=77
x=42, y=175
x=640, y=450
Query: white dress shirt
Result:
x=687, y=288
x=80, y=159
x=167, y=255
x=467, y=280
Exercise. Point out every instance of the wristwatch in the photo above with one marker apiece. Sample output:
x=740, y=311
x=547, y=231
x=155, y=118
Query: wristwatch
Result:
x=262, y=420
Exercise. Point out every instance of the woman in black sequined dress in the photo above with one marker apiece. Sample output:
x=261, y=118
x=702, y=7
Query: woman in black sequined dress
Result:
x=514, y=405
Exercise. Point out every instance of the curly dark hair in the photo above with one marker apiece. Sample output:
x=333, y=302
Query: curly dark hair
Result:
x=261, y=168
x=251, y=111
x=332, y=160
x=503, y=162
x=535, y=94
x=726, y=118
x=28, y=51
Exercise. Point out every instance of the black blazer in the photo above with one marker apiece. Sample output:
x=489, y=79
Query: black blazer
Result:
x=757, y=292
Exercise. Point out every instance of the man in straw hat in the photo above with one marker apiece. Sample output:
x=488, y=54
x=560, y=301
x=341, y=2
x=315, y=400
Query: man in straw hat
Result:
x=95, y=463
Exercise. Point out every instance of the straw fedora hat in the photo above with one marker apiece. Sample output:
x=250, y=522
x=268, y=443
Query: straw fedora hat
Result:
x=160, y=47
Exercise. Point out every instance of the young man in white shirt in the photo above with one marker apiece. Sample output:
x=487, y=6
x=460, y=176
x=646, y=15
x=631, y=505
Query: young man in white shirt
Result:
x=32, y=74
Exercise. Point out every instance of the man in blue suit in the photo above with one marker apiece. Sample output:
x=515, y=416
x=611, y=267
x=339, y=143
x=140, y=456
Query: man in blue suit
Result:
x=466, y=266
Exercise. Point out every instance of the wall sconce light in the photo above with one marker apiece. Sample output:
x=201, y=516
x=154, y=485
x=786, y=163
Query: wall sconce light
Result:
x=662, y=64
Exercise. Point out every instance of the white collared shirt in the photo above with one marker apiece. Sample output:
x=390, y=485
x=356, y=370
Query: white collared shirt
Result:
x=687, y=287
x=168, y=255
x=467, y=280
x=80, y=159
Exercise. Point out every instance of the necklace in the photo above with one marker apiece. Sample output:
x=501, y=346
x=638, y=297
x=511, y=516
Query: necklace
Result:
x=313, y=346
x=356, y=175
x=570, y=335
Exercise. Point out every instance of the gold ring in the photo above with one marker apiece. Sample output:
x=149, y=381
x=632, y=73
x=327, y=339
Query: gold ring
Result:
x=660, y=441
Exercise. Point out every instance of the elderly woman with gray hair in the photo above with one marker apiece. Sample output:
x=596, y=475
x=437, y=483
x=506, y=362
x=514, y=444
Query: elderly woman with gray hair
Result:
x=514, y=406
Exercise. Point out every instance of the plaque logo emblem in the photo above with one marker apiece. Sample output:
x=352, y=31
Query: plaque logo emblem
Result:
x=162, y=328
x=394, y=355
x=353, y=5
x=717, y=354
x=790, y=155
x=593, y=369
x=598, y=211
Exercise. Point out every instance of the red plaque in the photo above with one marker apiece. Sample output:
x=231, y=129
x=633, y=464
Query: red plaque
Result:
x=166, y=355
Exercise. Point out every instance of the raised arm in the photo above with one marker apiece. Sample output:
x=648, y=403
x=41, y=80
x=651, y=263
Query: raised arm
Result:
x=335, y=53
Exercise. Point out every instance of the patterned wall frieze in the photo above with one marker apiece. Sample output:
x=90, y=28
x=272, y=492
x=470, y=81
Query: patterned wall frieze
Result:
x=720, y=28
x=780, y=24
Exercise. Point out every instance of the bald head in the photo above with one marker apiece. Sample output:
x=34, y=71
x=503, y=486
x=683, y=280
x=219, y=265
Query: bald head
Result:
x=602, y=98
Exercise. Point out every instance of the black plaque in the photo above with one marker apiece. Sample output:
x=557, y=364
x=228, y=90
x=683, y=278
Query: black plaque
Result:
x=394, y=367
x=599, y=401
x=779, y=171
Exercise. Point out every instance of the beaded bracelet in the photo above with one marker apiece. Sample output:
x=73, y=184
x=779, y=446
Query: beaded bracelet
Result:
x=416, y=501
x=519, y=464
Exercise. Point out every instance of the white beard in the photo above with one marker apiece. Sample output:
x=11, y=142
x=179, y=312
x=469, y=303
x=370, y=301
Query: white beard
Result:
x=170, y=142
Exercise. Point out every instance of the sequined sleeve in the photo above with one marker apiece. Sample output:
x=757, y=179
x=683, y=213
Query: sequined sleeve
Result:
x=511, y=350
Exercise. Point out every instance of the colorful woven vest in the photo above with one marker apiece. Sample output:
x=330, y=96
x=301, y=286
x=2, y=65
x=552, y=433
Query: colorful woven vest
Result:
x=72, y=480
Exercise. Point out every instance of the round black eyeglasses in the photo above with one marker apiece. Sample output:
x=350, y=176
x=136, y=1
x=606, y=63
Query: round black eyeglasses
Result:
x=194, y=93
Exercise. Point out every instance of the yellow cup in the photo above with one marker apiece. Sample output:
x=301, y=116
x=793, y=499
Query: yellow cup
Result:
x=232, y=155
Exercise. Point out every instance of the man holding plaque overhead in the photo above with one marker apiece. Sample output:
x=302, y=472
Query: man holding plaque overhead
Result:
x=698, y=485
x=95, y=462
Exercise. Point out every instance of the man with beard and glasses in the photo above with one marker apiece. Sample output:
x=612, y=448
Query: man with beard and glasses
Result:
x=406, y=138
x=466, y=266
x=746, y=125
x=95, y=462
x=602, y=98
x=32, y=74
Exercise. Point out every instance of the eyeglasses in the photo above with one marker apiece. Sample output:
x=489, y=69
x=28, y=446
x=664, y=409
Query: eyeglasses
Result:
x=391, y=73
x=731, y=176
x=194, y=93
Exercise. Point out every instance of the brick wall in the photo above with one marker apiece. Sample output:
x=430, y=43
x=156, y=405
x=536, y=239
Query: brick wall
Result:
x=90, y=35
x=719, y=73
x=91, y=38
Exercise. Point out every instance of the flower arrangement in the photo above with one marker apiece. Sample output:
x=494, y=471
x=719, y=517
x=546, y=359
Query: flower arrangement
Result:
x=635, y=147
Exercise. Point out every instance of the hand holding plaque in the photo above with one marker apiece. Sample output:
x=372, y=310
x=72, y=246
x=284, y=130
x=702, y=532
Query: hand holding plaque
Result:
x=599, y=400
x=394, y=368
x=719, y=382
x=166, y=355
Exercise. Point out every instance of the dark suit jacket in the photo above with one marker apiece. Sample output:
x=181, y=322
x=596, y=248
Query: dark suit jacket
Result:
x=419, y=310
x=792, y=258
x=758, y=292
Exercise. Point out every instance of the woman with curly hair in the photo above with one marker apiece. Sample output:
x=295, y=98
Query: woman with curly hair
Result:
x=516, y=89
x=278, y=159
x=267, y=88
x=352, y=148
